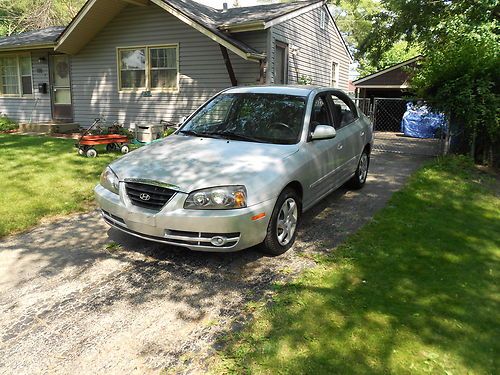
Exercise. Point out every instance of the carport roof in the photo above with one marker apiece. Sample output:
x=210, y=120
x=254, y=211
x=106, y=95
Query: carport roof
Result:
x=394, y=76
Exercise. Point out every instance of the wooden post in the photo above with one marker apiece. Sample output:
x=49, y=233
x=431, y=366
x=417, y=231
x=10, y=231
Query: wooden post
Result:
x=262, y=76
x=229, y=66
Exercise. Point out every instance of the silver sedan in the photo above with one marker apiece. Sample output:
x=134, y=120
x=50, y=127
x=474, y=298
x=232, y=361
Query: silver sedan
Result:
x=241, y=170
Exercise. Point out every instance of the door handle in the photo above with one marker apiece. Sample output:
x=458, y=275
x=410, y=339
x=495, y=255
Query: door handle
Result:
x=362, y=134
x=340, y=146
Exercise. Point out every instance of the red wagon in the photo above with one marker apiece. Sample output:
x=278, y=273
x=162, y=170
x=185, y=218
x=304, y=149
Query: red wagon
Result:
x=114, y=142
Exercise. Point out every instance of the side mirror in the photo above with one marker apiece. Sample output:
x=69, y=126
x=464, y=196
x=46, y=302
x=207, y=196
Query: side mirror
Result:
x=323, y=132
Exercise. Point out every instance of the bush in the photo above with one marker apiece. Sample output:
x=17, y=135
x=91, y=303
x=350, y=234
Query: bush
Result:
x=6, y=124
x=459, y=77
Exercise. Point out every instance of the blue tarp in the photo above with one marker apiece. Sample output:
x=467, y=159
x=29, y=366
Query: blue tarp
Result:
x=420, y=122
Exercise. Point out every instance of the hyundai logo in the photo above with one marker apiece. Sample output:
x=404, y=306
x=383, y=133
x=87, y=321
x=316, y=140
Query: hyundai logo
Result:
x=145, y=197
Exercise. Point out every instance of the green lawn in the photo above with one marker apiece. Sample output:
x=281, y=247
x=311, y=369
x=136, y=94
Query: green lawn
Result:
x=416, y=291
x=42, y=176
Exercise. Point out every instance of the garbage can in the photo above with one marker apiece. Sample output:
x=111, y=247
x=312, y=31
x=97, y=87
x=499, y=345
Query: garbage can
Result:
x=147, y=132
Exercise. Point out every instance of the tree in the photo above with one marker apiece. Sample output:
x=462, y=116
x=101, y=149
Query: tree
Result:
x=355, y=20
x=26, y=15
x=460, y=78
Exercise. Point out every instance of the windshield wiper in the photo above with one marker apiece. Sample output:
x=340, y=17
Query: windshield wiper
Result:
x=236, y=136
x=196, y=134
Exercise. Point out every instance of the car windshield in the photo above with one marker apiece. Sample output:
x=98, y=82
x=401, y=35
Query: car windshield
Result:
x=267, y=118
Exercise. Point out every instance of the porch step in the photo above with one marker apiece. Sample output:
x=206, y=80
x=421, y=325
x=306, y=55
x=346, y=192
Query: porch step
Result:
x=49, y=127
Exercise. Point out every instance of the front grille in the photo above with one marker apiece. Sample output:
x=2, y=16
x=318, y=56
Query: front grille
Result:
x=158, y=196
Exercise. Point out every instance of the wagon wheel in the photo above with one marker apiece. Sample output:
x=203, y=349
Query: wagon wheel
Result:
x=82, y=150
x=91, y=152
x=112, y=147
x=125, y=149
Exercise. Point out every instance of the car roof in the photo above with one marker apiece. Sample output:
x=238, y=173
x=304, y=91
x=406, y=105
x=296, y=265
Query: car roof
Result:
x=276, y=89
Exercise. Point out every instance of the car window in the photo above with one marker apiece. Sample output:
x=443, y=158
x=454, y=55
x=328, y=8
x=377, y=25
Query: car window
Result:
x=213, y=115
x=344, y=111
x=320, y=114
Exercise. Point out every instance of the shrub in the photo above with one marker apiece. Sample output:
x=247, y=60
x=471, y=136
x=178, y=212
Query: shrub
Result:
x=459, y=76
x=6, y=124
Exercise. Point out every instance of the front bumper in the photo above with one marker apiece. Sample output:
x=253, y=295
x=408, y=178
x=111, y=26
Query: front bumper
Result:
x=231, y=230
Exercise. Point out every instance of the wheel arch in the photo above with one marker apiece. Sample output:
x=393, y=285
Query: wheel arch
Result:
x=297, y=187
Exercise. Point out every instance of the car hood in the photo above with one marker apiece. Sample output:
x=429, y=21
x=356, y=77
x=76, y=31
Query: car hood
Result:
x=192, y=163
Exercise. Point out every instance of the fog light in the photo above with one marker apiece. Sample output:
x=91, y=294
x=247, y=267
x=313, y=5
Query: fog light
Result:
x=218, y=241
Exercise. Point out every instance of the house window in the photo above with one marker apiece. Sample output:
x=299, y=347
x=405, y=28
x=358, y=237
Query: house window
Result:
x=148, y=68
x=16, y=75
x=335, y=74
x=322, y=21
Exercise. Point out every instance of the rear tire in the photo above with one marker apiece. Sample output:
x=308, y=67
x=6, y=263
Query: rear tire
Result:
x=282, y=228
x=359, y=179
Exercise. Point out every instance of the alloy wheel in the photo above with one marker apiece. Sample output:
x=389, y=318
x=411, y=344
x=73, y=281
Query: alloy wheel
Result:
x=287, y=221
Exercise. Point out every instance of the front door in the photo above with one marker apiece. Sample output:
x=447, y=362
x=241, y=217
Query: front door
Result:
x=62, y=108
x=323, y=168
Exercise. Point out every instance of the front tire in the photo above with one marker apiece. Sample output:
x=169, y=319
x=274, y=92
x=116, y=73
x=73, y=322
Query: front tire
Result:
x=282, y=228
x=359, y=179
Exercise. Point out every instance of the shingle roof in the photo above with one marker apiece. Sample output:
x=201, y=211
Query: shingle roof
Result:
x=261, y=12
x=32, y=38
x=218, y=17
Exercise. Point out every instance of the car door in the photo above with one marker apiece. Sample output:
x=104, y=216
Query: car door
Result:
x=322, y=163
x=350, y=133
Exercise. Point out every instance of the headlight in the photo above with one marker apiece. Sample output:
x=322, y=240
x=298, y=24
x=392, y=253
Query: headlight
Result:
x=218, y=198
x=109, y=180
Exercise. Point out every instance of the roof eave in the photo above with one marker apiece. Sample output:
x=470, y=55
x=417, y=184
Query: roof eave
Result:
x=403, y=86
x=27, y=48
x=243, y=27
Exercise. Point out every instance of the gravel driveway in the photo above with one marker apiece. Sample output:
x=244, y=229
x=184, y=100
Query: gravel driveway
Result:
x=78, y=297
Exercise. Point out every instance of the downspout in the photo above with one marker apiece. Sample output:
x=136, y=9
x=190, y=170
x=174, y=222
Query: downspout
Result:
x=229, y=66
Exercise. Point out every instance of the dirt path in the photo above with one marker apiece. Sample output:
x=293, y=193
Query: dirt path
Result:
x=72, y=303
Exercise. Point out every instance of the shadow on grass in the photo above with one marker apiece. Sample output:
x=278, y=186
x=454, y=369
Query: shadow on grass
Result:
x=415, y=291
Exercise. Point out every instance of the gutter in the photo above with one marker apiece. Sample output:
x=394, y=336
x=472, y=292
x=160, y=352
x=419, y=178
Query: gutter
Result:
x=25, y=48
x=243, y=27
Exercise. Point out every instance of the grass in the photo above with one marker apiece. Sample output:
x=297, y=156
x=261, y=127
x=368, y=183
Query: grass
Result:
x=42, y=177
x=414, y=292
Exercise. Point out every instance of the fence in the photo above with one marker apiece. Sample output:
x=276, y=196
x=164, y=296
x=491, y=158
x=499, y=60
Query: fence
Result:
x=386, y=115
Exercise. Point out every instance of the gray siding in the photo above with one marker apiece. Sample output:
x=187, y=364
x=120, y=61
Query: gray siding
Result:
x=202, y=69
x=316, y=48
x=36, y=108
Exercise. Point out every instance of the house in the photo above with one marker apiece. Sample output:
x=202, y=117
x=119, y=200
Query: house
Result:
x=391, y=82
x=146, y=60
